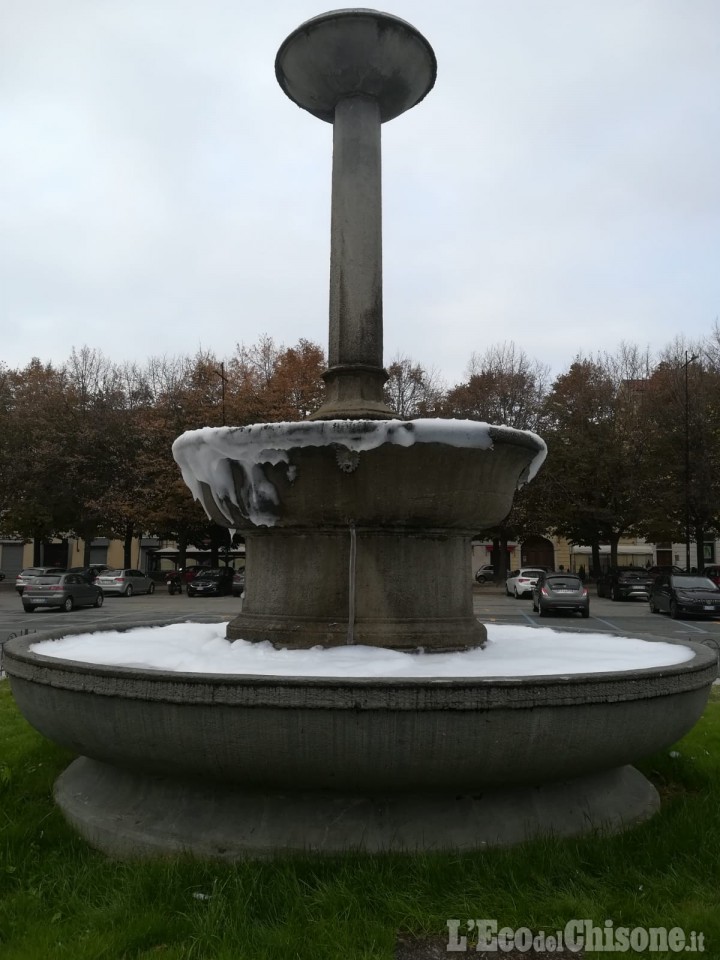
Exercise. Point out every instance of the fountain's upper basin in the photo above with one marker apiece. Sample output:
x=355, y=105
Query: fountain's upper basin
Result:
x=390, y=474
x=358, y=527
x=372, y=736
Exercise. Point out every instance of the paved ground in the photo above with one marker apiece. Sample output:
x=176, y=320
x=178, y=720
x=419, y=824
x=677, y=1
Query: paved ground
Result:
x=490, y=604
x=124, y=610
x=625, y=617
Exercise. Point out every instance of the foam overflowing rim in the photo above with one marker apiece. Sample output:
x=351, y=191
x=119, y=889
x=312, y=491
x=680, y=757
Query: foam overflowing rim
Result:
x=205, y=455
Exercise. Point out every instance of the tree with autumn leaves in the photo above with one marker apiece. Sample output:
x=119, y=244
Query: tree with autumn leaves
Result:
x=504, y=386
x=85, y=448
x=593, y=425
x=682, y=450
x=614, y=425
x=36, y=499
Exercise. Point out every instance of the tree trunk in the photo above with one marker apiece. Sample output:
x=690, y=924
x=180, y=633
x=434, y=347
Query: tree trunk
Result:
x=614, y=539
x=37, y=551
x=182, y=549
x=700, y=547
x=502, y=543
x=127, y=545
x=595, y=545
x=496, y=558
x=219, y=542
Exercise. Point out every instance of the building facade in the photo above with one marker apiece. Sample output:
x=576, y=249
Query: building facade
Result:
x=147, y=554
x=555, y=552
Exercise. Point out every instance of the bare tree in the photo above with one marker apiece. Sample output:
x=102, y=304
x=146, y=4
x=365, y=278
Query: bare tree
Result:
x=90, y=374
x=258, y=361
x=411, y=390
x=503, y=386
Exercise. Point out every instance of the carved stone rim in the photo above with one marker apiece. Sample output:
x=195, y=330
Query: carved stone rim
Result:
x=411, y=693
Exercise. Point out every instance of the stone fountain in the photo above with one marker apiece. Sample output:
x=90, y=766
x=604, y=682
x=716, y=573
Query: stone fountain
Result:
x=358, y=529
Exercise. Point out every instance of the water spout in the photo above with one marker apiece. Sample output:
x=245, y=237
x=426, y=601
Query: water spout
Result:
x=351, y=585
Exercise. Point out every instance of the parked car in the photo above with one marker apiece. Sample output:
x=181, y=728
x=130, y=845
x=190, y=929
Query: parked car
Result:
x=664, y=568
x=686, y=595
x=486, y=572
x=30, y=573
x=625, y=583
x=213, y=582
x=64, y=590
x=560, y=591
x=90, y=572
x=124, y=582
x=712, y=573
x=520, y=582
x=238, y=583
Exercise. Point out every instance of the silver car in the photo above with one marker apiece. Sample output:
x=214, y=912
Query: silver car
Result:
x=64, y=590
x=486, y=572
x=124, y=582
x=32, y=573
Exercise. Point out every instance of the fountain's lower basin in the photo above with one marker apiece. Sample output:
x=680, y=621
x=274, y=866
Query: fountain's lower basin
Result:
x=231, y=766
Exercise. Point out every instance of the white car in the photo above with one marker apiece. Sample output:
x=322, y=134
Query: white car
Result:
x=520, y=582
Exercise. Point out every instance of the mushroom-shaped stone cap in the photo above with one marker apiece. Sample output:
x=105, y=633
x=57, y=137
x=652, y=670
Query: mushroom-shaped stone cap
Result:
x=347, y=53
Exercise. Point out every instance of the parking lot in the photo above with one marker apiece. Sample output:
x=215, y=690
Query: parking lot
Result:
x=125, y=611
x=632, y=618
x=629, y=617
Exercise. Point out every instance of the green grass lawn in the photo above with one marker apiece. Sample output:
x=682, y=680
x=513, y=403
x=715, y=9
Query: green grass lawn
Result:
x=59, y=898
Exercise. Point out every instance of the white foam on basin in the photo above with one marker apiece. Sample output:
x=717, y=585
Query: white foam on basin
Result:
x=510, y=652
x=205, y=455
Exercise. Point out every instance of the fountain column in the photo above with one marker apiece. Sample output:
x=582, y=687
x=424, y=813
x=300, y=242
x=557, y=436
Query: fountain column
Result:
x=369, y=547
x=355, y=376
x=356, y=69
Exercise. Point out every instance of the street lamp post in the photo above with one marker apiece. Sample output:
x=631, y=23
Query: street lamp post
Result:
x=688, y=361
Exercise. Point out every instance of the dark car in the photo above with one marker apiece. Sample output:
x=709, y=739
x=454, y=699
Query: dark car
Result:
x=213, y=582
x=625, y=583
x=91, y=572
x=560, y=591
x=686, y=595
x=664, y=568
x=64, y=590
x=238, y=582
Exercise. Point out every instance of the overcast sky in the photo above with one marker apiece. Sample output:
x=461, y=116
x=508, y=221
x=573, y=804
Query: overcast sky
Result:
x=560, y=185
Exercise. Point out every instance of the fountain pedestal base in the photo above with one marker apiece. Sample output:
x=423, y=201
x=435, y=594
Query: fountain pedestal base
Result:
x=128, y=814
x=382, y=588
